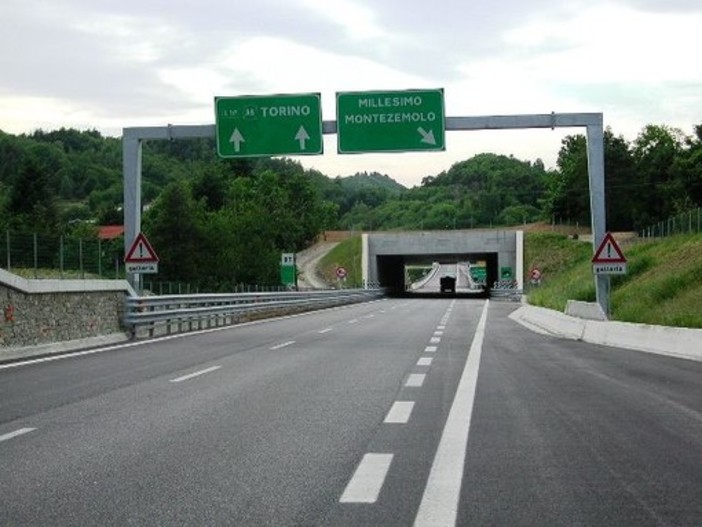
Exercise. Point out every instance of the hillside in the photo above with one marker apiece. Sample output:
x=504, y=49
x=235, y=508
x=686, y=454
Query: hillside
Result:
x=663, y=285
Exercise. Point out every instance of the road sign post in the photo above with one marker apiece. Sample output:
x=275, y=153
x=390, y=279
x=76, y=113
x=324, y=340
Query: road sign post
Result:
x=395, y=121
x=141, y=257
x=609, y=258
x=288, y=270
x=259, y=126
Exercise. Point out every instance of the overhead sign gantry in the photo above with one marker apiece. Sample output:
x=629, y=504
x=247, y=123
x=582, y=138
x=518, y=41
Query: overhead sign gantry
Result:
x=229, y=141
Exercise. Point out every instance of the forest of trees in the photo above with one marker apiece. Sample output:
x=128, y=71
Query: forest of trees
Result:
x=220, y=222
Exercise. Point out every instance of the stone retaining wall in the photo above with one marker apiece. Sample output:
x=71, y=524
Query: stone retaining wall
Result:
x=37, y=312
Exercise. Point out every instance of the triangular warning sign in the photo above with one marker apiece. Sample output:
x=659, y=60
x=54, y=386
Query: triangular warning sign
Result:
x=608, y=251
x=141, y=251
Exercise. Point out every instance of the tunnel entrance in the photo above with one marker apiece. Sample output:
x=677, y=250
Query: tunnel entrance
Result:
x=413, y=263
x=421, y=275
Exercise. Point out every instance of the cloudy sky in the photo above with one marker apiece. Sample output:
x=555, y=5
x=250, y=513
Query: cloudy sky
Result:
x=106, y=65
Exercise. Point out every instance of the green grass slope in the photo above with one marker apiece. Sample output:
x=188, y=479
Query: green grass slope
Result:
x=346, y=254
x=663, y=285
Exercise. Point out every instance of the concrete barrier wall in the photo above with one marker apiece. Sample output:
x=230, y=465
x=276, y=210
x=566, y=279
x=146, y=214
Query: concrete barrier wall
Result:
x=37, y=312
x=663, y=340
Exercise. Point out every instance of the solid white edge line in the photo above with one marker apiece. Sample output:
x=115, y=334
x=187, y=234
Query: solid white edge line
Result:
x=367, y=481
x=424, y=361
x=399, y=413
x=282, y=345
x=195, y=374
x=439, y=504
x=415, y=380
x=16, y=433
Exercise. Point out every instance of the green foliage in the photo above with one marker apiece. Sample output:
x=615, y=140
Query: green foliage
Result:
x=663, y=285
x=243, y=212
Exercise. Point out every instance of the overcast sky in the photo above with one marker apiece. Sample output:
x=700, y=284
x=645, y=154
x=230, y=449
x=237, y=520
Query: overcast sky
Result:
x=105, y=65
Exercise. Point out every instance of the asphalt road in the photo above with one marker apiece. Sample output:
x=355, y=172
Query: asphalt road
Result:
x=397, y=412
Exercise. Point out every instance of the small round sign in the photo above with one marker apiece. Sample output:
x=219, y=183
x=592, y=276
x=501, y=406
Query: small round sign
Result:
x=341, y=272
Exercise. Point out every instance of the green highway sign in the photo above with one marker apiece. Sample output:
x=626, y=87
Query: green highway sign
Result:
x=396, y=121
x=256, y=126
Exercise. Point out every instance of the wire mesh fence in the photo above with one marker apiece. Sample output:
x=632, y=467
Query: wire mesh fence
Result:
x=685, y=223
x=35, y=255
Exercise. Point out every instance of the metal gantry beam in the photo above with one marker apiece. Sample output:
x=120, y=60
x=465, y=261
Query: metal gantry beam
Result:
x=593, y=123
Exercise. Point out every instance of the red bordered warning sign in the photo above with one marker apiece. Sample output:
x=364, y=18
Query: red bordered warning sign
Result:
x=141, y=257
x=609, y=258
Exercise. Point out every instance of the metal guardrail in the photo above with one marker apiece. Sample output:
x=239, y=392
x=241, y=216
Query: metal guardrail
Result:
x=152, y=315
x=507, y=289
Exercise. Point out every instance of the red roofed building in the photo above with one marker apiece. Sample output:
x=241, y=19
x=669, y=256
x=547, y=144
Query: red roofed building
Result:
x=110, y=232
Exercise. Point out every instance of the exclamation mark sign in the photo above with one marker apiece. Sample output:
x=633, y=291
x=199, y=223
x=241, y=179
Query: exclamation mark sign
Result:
x=609, y=250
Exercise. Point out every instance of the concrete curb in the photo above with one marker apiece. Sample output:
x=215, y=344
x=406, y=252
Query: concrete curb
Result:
x=663, y=340
x=57, y=348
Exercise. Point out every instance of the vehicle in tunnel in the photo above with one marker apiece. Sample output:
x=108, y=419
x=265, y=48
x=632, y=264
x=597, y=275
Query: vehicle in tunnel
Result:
x=448, y=284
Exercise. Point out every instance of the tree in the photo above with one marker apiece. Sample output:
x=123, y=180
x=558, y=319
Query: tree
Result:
x=661, y=195
x=175, y=228
x=31, y=201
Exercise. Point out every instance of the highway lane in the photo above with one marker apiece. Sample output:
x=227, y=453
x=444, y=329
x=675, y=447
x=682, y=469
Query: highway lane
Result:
x=335, y=418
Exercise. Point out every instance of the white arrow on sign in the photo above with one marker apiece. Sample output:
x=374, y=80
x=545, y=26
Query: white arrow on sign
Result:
x=302, y=136
x=237, y=139
x=427, y=137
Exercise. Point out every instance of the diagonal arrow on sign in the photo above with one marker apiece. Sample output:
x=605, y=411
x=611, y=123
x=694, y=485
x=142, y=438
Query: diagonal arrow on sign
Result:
x=237, y=139
x=427, y=137
x=302, y=136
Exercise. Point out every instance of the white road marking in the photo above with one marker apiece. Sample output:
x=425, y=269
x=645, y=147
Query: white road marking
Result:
x=435, y=340
x=353, y=321
x=424, y=361
x=439, y=504
x=282, y=345
x=369, y=316
x=430, y=349
x=367, y=481
x=438, y=333
x=323, y=331
x=400, y=412
x=441, y=328
x=196, y=374
x=16, y=433
x=415, y=380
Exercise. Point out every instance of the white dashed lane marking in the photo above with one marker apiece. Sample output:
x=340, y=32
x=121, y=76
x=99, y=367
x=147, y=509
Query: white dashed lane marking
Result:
x=195, y=374
x=323, y=331
x=415, y=380
x=430, y=349
x=16, y=433
x=283, y=345
x=400, y=412
x=367, y=481
x=424, y=361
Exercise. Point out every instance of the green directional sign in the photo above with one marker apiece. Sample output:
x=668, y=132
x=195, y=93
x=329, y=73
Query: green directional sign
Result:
x=396, y=121
x=255, y=126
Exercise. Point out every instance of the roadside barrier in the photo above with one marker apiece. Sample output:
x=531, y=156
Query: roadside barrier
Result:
x=149, y=316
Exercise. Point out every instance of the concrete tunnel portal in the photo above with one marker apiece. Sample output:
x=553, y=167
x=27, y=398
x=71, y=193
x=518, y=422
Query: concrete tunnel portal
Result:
x=386, y=255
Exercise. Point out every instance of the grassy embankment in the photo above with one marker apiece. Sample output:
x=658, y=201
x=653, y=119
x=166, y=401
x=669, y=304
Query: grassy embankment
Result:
x=663, y=285
x=347, y=255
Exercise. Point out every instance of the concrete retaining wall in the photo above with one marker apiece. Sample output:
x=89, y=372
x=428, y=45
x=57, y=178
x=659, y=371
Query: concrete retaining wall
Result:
x=38, y=312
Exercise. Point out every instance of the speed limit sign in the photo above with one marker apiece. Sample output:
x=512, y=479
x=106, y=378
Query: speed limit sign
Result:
x=341, y=272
